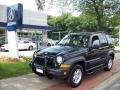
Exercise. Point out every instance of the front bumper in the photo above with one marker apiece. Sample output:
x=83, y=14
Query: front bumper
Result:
x=56, y=73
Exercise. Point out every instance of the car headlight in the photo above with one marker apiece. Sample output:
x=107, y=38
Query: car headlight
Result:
x=59, y=59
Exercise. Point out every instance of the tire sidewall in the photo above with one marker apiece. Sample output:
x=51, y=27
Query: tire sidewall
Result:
x=30, y=47
x=48, y=44
x=70, y=77
x=107, y=67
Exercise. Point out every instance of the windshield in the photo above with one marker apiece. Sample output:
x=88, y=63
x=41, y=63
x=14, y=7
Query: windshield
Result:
x=75, y=40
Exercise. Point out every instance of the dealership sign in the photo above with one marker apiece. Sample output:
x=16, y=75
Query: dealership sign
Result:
x=14, y=17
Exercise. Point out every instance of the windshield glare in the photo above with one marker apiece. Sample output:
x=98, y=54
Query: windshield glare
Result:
x=75, y=40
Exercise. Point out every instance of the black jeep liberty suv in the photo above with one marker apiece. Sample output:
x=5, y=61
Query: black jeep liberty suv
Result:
x=75, y=56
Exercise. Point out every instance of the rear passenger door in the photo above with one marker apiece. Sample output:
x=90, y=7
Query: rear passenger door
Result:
x=94, y=55
x=104, y=47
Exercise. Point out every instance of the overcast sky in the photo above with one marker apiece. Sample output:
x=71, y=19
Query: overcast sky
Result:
x=27, y=4
x=31, y=5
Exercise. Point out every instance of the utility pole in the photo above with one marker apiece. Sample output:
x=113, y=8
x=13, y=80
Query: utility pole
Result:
x=59, y=35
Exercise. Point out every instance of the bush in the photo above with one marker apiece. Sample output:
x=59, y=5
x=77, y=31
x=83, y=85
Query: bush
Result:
x=10, y=59
x=27, y=58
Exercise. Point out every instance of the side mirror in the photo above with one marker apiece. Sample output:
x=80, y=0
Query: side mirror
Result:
x=96, y=44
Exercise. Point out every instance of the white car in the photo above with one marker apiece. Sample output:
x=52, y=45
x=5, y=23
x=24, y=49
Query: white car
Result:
x=50, y=42
x=23, y=44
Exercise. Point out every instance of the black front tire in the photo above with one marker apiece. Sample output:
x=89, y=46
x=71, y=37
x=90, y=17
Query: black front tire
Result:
x=48, y=44
x=30, y=48
x=70, y=80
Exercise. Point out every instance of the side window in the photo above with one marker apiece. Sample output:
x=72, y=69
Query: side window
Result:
x=103, y=40
x=109, y=39
x=85, y=41
x=94, y=38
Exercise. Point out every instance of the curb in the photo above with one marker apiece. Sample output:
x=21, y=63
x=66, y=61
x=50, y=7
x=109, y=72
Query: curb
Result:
x=108, y=82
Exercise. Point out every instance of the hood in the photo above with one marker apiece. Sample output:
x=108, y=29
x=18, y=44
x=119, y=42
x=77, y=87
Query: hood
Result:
x=56, y=50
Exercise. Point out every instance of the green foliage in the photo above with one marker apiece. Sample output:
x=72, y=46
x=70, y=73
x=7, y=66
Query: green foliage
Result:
x=99, y=9
x=13, y=69
x=96, y=15
x=27, y=58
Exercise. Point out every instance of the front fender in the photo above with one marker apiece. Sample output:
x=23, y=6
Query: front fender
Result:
x=111, y=52
x=72, y=61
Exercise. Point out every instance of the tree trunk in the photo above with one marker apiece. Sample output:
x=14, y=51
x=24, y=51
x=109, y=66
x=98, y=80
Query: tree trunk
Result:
x=98, y=15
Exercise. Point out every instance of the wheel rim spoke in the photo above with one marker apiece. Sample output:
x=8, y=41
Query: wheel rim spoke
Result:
x=110, y=64
x=77, y=76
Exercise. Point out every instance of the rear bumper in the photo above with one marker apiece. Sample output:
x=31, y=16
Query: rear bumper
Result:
x=55, y=73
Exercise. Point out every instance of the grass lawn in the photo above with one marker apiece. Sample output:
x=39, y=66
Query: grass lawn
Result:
x=13, y=69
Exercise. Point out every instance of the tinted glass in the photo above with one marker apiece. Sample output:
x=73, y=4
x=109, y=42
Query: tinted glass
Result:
x=94, y=38
x=75, y=40
x=109, y=39
x=103, y=39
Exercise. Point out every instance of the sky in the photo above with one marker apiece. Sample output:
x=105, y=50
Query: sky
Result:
x=27, y=4
x=31, y=5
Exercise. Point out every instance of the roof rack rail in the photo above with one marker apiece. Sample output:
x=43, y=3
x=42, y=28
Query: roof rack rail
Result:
x=102, y=32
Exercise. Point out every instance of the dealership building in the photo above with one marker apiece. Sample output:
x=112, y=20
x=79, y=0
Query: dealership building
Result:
x=34, y=26
x=17, y=23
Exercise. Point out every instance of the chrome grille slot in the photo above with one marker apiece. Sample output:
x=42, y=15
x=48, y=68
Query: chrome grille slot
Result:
x=40, y=61
x=49, y=60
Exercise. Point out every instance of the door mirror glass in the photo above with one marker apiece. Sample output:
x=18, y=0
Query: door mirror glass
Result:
x=96, y=44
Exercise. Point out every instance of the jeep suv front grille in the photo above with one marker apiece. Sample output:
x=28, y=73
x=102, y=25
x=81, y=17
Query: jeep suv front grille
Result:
x=50, y=61
x=39, y=61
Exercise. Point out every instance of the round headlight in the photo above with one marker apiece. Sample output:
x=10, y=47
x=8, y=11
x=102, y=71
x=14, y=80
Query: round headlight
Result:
x=59, y=59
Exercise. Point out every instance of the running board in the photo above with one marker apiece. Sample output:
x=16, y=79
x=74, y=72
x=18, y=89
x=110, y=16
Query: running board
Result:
x=96, y=70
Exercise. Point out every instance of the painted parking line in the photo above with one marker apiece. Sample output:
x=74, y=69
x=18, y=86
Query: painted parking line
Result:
x=90, y=81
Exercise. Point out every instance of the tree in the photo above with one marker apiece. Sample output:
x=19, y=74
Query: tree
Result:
x=58, y=24
x=96, y=9
x=99, y=9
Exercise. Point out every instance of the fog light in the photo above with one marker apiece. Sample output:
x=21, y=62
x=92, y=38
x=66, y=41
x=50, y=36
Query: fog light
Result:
x=65, y=73
x=64, y=66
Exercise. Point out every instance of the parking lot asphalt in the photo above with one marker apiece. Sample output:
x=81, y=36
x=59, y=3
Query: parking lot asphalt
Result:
x=26, y=82
x=114, y=86
x=112, y=83
x=21, y=53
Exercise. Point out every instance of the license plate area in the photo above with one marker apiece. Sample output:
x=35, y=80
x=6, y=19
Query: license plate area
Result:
x=39, y=70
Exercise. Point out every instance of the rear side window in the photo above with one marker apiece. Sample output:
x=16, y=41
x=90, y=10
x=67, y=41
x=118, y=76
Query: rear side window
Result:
x=103, y=40
x=94, y=38
x=109, y=39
